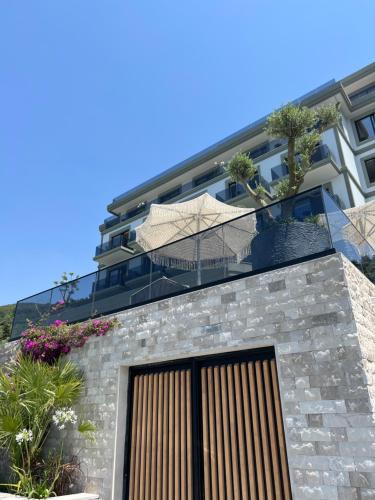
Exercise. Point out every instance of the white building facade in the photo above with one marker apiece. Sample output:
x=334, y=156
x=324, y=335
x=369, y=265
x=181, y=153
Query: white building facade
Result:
x=344, y=163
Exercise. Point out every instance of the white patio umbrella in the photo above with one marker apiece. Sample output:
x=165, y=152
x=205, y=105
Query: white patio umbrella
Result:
x=363, y=219
x=174, y=222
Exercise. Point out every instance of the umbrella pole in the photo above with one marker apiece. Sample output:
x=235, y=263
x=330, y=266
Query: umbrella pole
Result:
x=199, y=269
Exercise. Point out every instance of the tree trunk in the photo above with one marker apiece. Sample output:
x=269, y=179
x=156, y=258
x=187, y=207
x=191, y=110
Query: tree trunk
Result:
x=292, y=188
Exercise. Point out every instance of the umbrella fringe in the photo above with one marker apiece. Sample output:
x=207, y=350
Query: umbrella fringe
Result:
x=188, y=265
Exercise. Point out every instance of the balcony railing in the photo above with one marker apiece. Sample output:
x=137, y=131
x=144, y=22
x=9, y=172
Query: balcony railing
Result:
x=233, y=189
x=116, y=242
x=163, y=198
x=321, y=153
x=270, y=237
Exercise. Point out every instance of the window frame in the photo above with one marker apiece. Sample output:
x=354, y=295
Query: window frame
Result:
x=364, y=169
x=372, y=118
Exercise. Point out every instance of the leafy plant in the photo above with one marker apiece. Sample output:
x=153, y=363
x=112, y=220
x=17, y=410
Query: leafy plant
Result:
x=313, y=219
x=301, y=127
x=242, y=169
x=6, y=318
x=34, y=398
x=48, y=342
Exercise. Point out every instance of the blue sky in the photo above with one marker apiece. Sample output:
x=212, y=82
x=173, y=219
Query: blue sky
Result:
x=96, y=96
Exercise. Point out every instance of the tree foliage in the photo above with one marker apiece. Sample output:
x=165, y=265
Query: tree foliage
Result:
x=242, y=169
x=301, y=128
x=6, y=319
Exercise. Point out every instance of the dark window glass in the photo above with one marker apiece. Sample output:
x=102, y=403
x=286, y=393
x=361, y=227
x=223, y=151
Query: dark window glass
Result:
x=171, y=194
x=114, y=277
x=259, y=151
x=206, y=176
x=370, y=168
x=362, y=93
x=365, y=127
x=135, y=211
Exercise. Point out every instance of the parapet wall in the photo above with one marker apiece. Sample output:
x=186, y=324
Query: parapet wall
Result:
x=318, y=315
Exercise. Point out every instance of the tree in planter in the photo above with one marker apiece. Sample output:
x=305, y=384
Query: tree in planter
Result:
x=301, y=127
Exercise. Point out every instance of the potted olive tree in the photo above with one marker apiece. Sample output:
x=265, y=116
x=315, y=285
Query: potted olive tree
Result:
x=283, y=237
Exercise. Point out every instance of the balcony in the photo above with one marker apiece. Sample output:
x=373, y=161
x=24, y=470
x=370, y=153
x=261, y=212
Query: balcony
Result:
x=323, y=169
x=233, y=190
x=116, y=249
x=363, y=95
x=178, y=191
x=315, y=226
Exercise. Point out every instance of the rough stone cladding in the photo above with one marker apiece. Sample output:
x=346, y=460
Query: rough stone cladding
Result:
x=318, y=315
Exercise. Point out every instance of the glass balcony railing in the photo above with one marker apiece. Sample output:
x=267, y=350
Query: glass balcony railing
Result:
x=363, y=94
x=303, y=227
x=233, y=189
x=321, y=152
x=116, y=242
x=165, y=197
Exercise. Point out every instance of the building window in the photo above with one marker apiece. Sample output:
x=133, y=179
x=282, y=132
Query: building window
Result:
x=207, y=176
x=366, y=127
x=114, y=277
x=169, y=195
x=370, y=169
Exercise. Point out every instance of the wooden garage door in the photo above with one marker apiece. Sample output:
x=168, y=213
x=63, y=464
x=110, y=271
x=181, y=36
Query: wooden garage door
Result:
x=244, y=455
x=161, y=439
x=207, y=428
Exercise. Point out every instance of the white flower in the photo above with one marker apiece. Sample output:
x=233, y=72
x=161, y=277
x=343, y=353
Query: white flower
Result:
x=24, y=436
x=64, y=416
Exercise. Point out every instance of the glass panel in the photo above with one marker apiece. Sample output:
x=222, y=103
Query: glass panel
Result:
x=33, y=309
x=370, y=168
x=73, y=301
x=347, y=239
x=365, y=128
x=287, y=231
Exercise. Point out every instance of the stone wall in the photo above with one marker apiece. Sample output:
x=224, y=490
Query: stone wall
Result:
x=318, y=315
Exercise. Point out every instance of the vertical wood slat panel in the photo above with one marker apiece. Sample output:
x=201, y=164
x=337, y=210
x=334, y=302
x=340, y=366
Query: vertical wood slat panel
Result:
x=264, y=430
x=219, y=435
x=189, y=445
x=177, y=436
x=154, y=435
x=226, y=433
x=206, y=439
x=280, y=433
x=244, y=450
x=142, y=451
x=139, y=437
x=249, y=432
x=161, y=438
x=256, y=432
x=183, y=447
x=171, y=438
x=212, y=434
x=165, y=436
x=159, y=460
x=241, y=433
x=149, y=437
x=133, y=436
x=273, y=431
x=233, y=434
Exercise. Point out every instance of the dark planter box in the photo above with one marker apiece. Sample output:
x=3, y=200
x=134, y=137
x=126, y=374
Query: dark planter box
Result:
x=283, y=242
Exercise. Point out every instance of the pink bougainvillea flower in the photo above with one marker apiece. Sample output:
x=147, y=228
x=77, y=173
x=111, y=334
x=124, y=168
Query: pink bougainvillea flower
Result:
x=61, y=302
x=58, y=322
